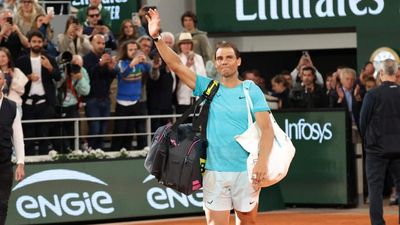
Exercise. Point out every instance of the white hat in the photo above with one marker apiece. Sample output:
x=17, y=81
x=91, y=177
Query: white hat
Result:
x=185, y=37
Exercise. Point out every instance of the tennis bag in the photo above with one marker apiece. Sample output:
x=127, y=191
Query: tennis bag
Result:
x=178, y=152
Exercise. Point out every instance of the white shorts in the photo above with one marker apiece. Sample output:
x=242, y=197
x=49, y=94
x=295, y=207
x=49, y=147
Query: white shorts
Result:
x=229, y=190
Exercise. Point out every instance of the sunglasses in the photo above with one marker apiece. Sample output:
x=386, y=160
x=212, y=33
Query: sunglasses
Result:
x=94, y=15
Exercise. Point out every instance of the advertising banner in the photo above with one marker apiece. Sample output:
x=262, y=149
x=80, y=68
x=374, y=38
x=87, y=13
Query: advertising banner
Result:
x=119, y=10
x=272, y=15
x=319, y=173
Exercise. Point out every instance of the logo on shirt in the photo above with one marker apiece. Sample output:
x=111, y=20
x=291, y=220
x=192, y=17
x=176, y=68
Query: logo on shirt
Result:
x=242, y=97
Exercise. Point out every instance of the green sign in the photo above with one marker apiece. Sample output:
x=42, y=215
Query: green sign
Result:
x=319, y=172
x=98, y=190
x=119, y=10
x=263, y=15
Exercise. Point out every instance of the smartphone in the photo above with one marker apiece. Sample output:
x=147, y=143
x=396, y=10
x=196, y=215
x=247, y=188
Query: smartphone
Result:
x=305, y=53
x=9, y=20
x=108, y=51
x=146, y=8
x=135, y=16
x=50, y=10
x=100, y=22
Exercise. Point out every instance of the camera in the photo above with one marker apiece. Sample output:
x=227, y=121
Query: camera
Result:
x=65, y=64
x=9, y=20
x=146, y=8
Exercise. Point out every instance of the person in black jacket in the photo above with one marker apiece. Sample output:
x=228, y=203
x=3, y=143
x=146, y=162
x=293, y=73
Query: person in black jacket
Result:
x=380, y=129
x=100, y=68
x=39, y=98
x=10, y=135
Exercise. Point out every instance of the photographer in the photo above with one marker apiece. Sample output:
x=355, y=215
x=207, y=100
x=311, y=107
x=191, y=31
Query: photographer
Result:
x=73, y=84
x=100, y=67
x=307, y=94
x=11, y=36
x=73, y=40
x=95, y=25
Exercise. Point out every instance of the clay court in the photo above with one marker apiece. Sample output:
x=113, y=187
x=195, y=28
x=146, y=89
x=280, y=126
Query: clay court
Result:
x=293, y=216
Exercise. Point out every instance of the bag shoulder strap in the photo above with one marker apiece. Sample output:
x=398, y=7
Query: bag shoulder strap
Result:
x=207, y=95
x=249, y=103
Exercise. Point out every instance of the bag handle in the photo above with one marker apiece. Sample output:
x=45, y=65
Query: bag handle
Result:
x=249, y=103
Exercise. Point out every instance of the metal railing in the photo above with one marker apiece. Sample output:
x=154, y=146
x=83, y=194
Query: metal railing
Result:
x=77, y=135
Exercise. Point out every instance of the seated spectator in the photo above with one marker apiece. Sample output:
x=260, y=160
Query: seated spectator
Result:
x=15, y=78
x=104, y=13
x=280, y=88
x=305, y=61
x=95, y=25
x=27, y=11
x=42, y=24
x=131, y=66
x=129, y=31
x=11, y=36
x=73, y=84
x=288, y=77
x=307, y=94
x=195, y=63
x=73, y=40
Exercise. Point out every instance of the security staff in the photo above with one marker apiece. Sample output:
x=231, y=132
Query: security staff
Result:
x=10, y=135
x=380, y=129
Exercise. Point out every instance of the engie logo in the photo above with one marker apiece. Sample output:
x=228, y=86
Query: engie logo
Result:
x=164, y=198
x=307, y=131
x=72, y=203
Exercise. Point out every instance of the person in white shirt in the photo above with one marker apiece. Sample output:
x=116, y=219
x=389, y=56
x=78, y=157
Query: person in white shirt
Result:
x=192, y=60
x=10, y=135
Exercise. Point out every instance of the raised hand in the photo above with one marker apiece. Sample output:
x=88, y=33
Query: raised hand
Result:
x=153, y=20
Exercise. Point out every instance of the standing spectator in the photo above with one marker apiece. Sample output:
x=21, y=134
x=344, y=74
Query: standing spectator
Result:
x=26, y=13
x=105, y=14
x=380, y=129
x=370, y=83
x=132, y=65
x=307, y=94
x=146, y=43
x=10, y=4
x=348, y=95
x=255, y=76
x=100, y=68
x=39, y=98
x=73, y=40
x=305, y=61
x=10, y=35
x=193, y=61
x=42, y=24
x=367, y=71
x=160, y=91
x=201, y=45
x=11, y=135
x=15, y=79
x=95, y=25
x=74, y=84
x=281, y=90
x=129, y=31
